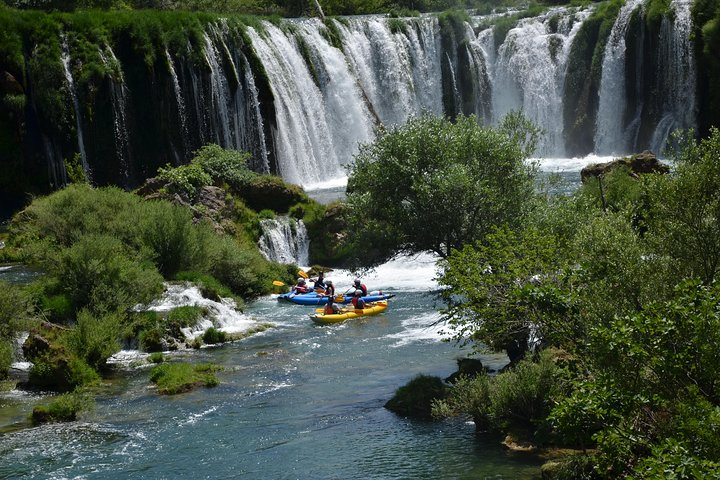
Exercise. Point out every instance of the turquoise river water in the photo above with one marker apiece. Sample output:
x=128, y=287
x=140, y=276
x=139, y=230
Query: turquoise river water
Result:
x=298, y=401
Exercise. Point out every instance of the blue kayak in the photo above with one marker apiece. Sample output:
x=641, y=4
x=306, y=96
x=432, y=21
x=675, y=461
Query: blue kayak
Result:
x=314, y=298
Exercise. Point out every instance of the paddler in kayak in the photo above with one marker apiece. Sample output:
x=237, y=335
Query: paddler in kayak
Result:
x=357, y=300
x=329, y=289
x=319, y=285
x=331, y=307
x=360, y=286
x=300, y=288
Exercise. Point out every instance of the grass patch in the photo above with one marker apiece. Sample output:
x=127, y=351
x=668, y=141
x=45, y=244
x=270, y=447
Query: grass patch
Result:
x=212, y=336
x=63, y=408
x=156, y=357
x=174, y=378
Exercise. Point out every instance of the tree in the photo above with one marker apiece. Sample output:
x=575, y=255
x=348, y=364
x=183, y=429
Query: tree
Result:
x=436, y=185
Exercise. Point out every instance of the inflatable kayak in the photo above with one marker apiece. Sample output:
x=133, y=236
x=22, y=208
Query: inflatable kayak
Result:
x=314, y=298
x=322, y=318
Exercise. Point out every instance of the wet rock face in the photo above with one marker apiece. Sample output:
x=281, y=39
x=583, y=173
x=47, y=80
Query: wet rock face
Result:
x=642, y=163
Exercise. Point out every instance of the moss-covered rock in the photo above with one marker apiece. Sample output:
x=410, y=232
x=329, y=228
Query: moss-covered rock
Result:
x=415, y=399
x=642, y=163
x=268, y=191
x=63, y=408
x=174, y=378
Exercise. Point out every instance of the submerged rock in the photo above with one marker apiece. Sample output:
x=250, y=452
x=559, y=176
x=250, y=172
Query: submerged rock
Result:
x=468, y=367
x=645, y=162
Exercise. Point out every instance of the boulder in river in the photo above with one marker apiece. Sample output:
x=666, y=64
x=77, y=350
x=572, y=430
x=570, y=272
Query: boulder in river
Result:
x=645, y=162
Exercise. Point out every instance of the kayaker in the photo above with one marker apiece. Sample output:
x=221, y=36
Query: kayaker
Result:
x=331, y=308
x=361, y=286
x=329, y=289
x=357, y=300
x=319, y=283
x=301, y=287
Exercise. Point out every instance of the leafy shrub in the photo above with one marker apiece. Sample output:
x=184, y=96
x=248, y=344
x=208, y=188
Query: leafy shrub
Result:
x=185, y=179
x=6, y=357
x=173, y=378
x=151, y=339
x=415, y=399
x=58, y=308
x=98, y=274
x=95, y=339
x=213, y=336
x=156, y=357
x=225, y=166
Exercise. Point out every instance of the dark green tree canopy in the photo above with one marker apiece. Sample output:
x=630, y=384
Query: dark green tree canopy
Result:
x=437, y=185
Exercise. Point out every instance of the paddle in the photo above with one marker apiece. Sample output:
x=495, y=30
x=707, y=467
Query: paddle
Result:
x=303, y=274
x=278, y=283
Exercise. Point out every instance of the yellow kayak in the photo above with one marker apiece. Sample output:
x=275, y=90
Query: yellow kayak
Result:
x=372, y=309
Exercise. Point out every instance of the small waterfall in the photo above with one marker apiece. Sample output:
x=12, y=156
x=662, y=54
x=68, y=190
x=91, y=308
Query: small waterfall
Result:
x=220, y=95
x=529, y=75
x=676, y=74
x=65, y=58
x=222, y=315
x=285, y=240
x=119, y=95
x=610, y=130
x=180, y=103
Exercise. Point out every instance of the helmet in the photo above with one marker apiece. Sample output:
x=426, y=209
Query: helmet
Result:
x=301, y=281
x=358, y=293
x=328, y=282
x=356, y=281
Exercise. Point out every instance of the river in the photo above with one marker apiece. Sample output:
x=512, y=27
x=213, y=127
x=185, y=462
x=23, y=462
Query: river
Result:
x=295, y=401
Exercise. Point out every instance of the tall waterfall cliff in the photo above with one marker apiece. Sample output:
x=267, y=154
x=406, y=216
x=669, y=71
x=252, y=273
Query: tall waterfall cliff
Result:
x=124, y=96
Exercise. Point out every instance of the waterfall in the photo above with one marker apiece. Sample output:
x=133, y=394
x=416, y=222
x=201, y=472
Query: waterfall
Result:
x=676, y=74
x=179, y=102
x=610, y=130
x=399, y=72
x=285, y=240
x=119, y=96
x=528, y=75
x=65, y=58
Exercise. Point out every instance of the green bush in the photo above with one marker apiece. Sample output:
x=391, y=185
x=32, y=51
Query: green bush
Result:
x=209, y=286
x=6, y=357
x=63, y=408
x=151, y=339
x=186, y=179
x=225, y=167
x=95, y=339
x=98, y=274
x=173, y=378
x=415, y=399
x=156, y=357
x=213, y=336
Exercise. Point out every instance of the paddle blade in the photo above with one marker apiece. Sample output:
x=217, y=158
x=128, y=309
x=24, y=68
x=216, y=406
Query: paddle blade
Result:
x=278, y=283
x=339, y=298
x=303, y=274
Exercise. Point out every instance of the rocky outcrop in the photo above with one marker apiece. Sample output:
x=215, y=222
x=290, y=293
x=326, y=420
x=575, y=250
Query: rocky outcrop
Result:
x=9, y=84
x=642, y=163
x=267, y=191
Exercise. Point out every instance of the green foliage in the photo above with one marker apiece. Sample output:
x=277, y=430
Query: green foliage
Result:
x=225, y=166
x=186, y=179
x=500, y=290
x=174, y=378
x=95, y=339
x=436, y=185
x=517, y=400
x=6, y=356
x=75, y=171
x=99, y=274
x=156, y=357
x=62, y=408
x=213, y=336
x=415, y=399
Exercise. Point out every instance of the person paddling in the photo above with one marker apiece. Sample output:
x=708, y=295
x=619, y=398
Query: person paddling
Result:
x=300, y=288
x=329, y=289
x=361, y=286
x=331, y=307
x=357, y=300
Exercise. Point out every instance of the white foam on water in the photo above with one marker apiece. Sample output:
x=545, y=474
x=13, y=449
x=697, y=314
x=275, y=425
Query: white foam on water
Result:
x=197, y=416
x=402, y=273
x=222, y=315
x=420, y=329
x=6, y=268
x=335, y=182
x=574, y=164
x=129, y=358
